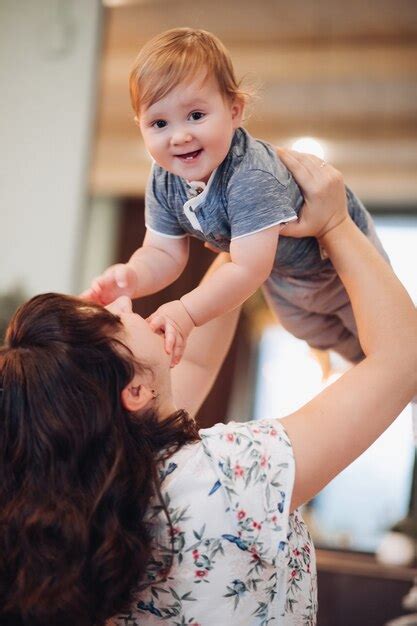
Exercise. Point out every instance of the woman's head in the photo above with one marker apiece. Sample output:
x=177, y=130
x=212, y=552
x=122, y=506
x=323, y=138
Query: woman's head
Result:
x=178, y=56
x=77, y=465
x=146, y=347
x=58, y=352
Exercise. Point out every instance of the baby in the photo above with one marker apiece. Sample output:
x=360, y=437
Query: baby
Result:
x=212, y=180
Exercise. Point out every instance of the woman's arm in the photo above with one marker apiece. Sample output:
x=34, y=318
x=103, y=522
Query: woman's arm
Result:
x=334, y=428
x=205, y=352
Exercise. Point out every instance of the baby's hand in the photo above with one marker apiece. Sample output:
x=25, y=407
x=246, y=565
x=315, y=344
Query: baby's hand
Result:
x=118, y=280
x=173, y=320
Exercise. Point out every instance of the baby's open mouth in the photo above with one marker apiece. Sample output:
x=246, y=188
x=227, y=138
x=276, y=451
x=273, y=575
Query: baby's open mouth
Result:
x=189, y=156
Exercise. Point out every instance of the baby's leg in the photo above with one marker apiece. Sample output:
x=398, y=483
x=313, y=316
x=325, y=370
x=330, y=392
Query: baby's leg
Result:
x=319, y=330
x=309, y=297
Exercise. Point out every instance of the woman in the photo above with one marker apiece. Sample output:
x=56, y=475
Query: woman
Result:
x=111, y=503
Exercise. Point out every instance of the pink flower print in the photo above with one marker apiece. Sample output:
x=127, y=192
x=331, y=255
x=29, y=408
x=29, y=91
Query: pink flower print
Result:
x=263, y=461
x=274, y=518
x=257, y=525
x=255, y=554
x=273, y=432
x=296, y=552
x=230, y=437
x=239, y=471
x=196, y=554
x=174, y=531
x=294, y=573
x=241, y=514
x=201, y=573
x=256, y=431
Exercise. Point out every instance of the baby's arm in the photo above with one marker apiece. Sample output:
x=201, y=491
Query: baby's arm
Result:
x=252, y=258
x=153, y=266
x=158, y=262
x=251, y=261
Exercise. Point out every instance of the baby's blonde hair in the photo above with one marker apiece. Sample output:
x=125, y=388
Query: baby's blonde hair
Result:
x=178, y=55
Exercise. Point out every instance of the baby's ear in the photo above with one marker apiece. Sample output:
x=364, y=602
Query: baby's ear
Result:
x=238, y=108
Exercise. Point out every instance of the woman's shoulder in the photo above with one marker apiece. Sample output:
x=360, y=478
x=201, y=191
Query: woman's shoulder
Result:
x=173, y=466
x=255, y=451
x=243, y=434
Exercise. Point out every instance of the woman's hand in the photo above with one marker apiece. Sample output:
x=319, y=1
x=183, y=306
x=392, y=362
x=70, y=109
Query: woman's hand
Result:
x=324, y=194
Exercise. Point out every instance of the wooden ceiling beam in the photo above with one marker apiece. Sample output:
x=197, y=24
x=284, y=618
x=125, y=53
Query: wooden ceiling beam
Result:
x=366, y=127
x=345, y=73
x=277, y=63
x=274, y=21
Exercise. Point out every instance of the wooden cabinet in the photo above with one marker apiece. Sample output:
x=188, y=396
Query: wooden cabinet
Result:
x=355, y=590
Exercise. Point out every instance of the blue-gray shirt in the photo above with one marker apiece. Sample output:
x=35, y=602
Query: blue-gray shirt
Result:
x=251, y=190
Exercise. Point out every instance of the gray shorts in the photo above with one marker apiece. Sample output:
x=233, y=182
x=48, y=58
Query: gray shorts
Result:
x=308, y=296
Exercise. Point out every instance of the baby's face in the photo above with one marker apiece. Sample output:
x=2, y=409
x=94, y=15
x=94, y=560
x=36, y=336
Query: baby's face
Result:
x=189, y=131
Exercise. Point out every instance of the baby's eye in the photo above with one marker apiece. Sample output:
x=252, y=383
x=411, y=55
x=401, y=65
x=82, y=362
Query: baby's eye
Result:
x=196, y=115
x=159, y=124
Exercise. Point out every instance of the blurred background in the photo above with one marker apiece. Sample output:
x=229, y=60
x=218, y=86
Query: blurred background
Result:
x=339, y=78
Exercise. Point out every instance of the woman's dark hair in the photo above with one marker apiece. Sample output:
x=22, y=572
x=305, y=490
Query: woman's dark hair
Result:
x=77, y=470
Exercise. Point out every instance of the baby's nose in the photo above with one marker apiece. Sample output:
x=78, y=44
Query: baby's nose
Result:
x=181, y=136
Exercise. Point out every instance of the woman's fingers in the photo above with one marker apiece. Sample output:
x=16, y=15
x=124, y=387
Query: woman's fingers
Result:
x=318, y=168
x=296, y=228
x=312, y=173
x=310, y=162
x=324, y=193
x=296, y=164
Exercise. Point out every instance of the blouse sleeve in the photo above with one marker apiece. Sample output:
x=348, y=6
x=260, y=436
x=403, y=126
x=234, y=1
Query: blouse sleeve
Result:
x=254, y=464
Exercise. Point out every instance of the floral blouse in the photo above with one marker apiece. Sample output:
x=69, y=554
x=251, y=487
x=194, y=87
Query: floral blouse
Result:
x=240, y=558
